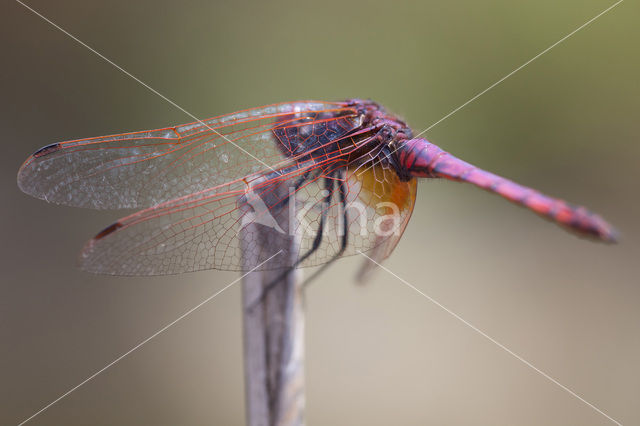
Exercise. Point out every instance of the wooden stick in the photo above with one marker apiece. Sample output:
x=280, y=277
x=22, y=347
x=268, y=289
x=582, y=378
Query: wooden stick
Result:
x=273, y=327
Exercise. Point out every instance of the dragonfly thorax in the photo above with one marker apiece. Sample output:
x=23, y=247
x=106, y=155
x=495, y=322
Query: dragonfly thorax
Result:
x=348, y=133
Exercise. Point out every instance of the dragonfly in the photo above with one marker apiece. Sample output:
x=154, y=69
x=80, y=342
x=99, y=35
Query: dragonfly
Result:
x=346, y=171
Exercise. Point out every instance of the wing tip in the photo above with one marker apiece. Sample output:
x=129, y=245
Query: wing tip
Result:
x=85, y=260
x=25, y=173
x=108, y=230
x=46, y=150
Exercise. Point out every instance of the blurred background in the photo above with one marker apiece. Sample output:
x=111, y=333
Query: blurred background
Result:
x=377, y=354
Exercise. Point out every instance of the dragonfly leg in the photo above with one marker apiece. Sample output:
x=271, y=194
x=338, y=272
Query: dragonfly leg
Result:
x=345, y=232
x=329, y=183
x=329, y=186
x=296, y=186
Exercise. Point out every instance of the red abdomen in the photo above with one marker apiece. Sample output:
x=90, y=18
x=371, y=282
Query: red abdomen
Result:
x=420, y=158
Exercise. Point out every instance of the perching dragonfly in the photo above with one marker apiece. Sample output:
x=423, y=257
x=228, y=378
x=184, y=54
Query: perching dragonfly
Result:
x=348, y=170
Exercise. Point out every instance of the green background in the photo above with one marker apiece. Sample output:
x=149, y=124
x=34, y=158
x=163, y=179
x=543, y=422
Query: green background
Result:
x=377, y=354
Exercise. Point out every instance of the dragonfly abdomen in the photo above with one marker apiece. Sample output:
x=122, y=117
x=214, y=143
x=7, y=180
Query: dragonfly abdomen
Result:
x=420, y=158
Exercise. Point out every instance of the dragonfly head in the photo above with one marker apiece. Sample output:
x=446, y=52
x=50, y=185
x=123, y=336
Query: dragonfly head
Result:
x=391, y=128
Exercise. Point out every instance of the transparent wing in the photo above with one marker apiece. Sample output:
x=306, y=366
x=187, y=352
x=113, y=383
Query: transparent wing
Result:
x=378, y=207
x=391, y=202
x=142, y=169
x=207, y=230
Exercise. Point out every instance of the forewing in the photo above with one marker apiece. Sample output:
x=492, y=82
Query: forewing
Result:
x=142, y=169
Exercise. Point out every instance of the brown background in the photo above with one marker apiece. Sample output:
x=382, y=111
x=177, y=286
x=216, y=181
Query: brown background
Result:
x=379, y=354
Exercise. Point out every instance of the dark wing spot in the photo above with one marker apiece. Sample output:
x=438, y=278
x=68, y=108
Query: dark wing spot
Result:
x=47, y=150
x=108, y=230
